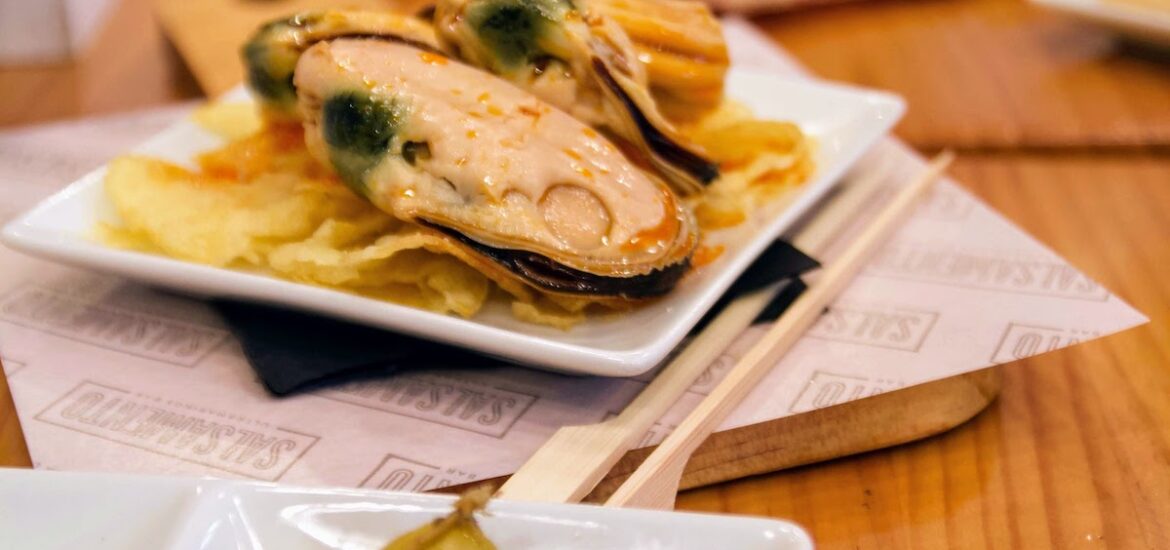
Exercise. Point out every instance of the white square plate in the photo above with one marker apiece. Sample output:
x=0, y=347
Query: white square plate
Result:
x=843, y=121
x=1142, y=22
x=66, y=510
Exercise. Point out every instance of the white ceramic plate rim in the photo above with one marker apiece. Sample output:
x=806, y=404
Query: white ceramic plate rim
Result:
x=535, y=346
x=43, y=509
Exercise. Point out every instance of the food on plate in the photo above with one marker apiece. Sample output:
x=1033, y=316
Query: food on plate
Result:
x=529, y=192
x=300, y=227
x=681, y=44
x=271, y=55
x=456, y=531
x=760, y=160
x=581, y=61
x=393, y=161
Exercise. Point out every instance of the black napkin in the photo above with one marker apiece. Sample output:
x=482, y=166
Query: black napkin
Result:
x=293, y=351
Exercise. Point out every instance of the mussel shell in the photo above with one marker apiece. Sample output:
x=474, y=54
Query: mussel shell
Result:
x=668, y=154
x=550, y=276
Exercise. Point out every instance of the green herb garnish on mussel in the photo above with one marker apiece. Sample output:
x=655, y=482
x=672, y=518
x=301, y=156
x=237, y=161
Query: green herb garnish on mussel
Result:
x=581, y=61
x=513, y=29
x=271, y=55
x=359, y=129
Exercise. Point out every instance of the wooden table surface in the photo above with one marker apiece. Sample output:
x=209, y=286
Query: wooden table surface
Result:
x=1059, y=127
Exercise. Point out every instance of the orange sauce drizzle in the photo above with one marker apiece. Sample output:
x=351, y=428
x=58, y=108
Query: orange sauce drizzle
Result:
x=278, y=147
x=660, y=234
x=432, y=58
x=251, y=156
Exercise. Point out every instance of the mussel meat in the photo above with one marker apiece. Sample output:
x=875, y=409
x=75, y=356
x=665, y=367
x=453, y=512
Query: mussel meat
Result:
x=271, y=55
x=583, y=62
x=529, y=192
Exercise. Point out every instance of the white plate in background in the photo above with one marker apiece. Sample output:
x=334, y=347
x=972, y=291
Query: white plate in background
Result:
x=72, y=510
x=843, y=121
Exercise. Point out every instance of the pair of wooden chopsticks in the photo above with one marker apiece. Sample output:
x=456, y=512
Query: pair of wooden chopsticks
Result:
x=576, y=458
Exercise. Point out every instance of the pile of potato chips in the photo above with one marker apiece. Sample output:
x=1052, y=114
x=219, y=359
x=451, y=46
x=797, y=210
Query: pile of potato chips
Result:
x=759, y=160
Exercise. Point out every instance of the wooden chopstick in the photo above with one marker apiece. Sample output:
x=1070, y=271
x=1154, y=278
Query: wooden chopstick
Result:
x=655, y=483
x=571, y=463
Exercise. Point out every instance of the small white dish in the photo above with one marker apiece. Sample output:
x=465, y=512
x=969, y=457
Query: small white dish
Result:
x=1143, y=22
x=67, y=510
x=843, y=121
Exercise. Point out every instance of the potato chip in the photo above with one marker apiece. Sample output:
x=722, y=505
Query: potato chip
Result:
x=229, y=120
x=738, y=143
x=215, y=222
x=759, y=160
x=392, y=261
x=121, y=237
x=543, y=313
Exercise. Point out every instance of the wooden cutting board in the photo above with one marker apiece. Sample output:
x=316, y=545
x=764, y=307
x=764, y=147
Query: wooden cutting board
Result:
x=208, y=34
x=883, y=420
x=834, y=431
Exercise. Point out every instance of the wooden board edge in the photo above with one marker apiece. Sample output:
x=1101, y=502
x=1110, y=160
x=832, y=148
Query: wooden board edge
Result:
x=859, y=426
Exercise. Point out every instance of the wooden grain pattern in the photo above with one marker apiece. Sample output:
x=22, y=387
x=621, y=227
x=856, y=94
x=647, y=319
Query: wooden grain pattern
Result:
x=13, y=451
x=1076, y=451
x=876, y=422
x=989, y=74
x=129, y=65
x=855, y=427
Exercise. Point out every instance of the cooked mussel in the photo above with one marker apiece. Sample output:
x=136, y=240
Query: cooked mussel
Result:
x=529, y=192
x=682, y=46
x=579, y=60
x=271, y=55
